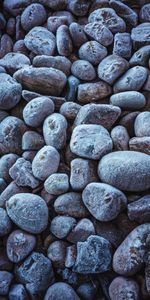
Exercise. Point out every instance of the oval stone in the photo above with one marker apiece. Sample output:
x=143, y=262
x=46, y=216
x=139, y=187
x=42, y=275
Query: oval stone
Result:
x=28, y=211
x=126, y=170
x=10, y=91
x=130, y=100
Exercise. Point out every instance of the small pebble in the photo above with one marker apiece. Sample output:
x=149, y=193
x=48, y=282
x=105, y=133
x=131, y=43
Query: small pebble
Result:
x=93, y=52
x=62, y=225
x=122, y=288
x=83, y=70
x=57, y=184
x=120, y=138
x=130, y=100
x=142, y=124
x=5, y=280
x=61, y=290
x=5, y=224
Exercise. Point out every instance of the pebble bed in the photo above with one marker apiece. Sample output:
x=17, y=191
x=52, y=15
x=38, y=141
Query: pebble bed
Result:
x=74, y=150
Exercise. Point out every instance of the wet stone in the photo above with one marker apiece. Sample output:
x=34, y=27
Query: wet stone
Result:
x=93, y=255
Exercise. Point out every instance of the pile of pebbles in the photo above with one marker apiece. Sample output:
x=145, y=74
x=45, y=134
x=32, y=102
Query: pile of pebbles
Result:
x=74, y=147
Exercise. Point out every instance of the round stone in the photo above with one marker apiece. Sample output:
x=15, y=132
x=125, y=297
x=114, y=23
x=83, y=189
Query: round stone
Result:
x=61, y=290
x=142, y=124
x=28, y=211
x=126, y=170
x=83, y=70
x=57, y=184
x=93, y=52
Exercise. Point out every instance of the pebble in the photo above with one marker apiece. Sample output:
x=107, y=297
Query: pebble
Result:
x=90, y=141
x=32, y=140
x=35, y=272
x=61, y=63
x=140, y=35
x=140, y=144
x=78, y=8
x=56, y=253
x=124, y=288
x=81, y=231
x=19, y=245
x=126, y=170
x=83, y=70
x=141, y=124
x=139, y=210
x=129, y=256
x=140, y=57
x=122, y=45
x=21, y=173
x=63, y=41
x=125, y=12
x=77, y=34
x=54, y=130
x=93, y=52
x=111, y=68
x=70, y=204
x=6, y=162
x=145, y=13
x=37, y=110
x=131, y=80
x=40, y=41
x=28, y=211
x=13, y=62
x=35, y=14
x=91, y=92
x=45, y=162
x=57, y=184
x=5, y=224
x=109, y=18
x=128, y=122
x=10, y=91
x=120, y=138
x=130, y=100
x=100, y=114
x=72, y=87
x=11, y=132
x=103, y=201
x=93, y=256
x=62, y=225
x=11, y=190
x=47, y=81
x=99, y=33
x=61, y=290
x=5, y=279
x=54, y=22
x=18, y=292
x=69, y=110
x=82, y=172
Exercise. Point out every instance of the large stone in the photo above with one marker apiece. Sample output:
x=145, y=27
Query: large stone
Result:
x=126, y=170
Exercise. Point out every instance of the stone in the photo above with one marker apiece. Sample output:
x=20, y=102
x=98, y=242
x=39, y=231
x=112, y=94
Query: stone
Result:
x=63, y=41
x=129, y=256
x=142, y=124
x=103, y=201
x=6, y=162
x=109, y=18
x=54, y=130
x=45, y=162
x=35, y=14
x=90, y=141
x=93, y=256
x=35, y=273
x=21, y=173
x=61, y=63
x=6, y=280
x=100, y=114
x=62, y=225
x=140, y=144
x=81, y=231
x=83, y=70
x=18, y=292
x=99, y=33
x=61, y=289
x=121, y=288
x=47, y=81
x=83, y=171
x=56, y=253
x=120, y=138
x=32, y=140
x=140, y=57
x=91, y=92
x=70, y=204
x=126, y=170
x=28, y=211
x=139, y=210
x=57, y=184
x=131, y=80
x=19, y=245
x=111, y=68
x=10, y=91
x=140, y=35
x=5, y=223
x=40, y=41
x=13, y=62
x=93, y=52
x=122, y=45
x=130, y=100
x=125, y=12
